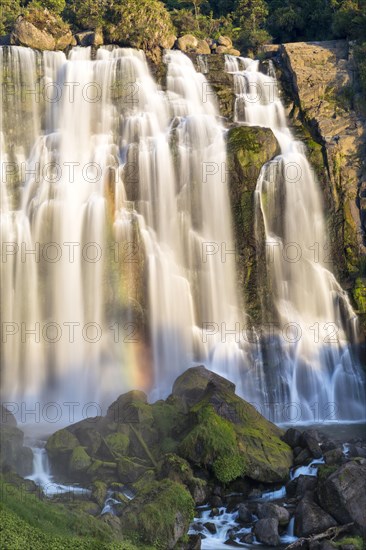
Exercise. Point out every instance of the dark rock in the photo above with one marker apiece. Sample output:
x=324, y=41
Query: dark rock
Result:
x=211, y=527
x=192, y=384
x=343, y=494
x=270, y=510
x=305, y=484
x=123, y=410
x=297, y=451
x=310, y=519
x=199, y=490
x=247, y=539
x=194, y=542
x=216, y=501
x=13, y=454
x=309, y=440
x=333, y=457
x=129, y=470
x=266, y=531
x=89, y=38
x=244, y=515
x=355, y=451
x=321, y=545
x=214, y=512
x=292, y=437
x=304, y=457
x=7, y=418
x=89, y=438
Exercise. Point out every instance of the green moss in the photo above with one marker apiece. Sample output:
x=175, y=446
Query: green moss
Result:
x=156, y=511
x=213, y=443
x=117, y=443
x=80, y=460
x=357, y=542
x=359, y=294
x=325, y=471
x=60, y=442
x=229, y=467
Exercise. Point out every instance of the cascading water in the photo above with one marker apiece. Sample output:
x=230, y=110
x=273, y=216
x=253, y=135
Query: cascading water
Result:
x=110, y=229
x=315, y=372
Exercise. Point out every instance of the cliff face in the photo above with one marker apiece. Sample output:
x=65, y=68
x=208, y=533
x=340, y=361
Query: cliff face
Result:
x=323, y=100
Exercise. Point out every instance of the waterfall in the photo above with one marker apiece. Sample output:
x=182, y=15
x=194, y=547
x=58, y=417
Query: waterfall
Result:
x=118, y=263
x=316, y=373
x=116, y=230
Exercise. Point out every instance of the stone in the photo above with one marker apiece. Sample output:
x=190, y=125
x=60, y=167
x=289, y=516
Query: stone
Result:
x=269, y=510
x=225, y=41
x=79, y=460
x=129, y=470
x=168, y=42
x=211, y=527
x=123, y=410
x=222, y=50
x=343, y=494
x=13, y=454
x=266, y=531
x=7, y=418
x=292, y=437
x=194, y=542
x=304, y=457
x=203, y=48
x=64, y=41
x=89, y=38
x=334, y=457
x=310, y=519
x=233, y=51
x=161, y=511
x=308, y=440
x=244, y=515
x=192, y=384
x=187, y=43
x=26, y=34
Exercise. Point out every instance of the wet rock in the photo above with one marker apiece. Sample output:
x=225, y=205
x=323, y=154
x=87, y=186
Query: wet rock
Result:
x=343, y=494
x=247, y=539
x=124, y=409
x=266, y=531
x=12, y=453
x=304, y=457
x=299, y=486
x=269, y=510
x=216, y=501
x=292, y=437
x=244, y=515
x=310, y=519
x=192, y=384
x=194, y=542
x=333, y=457
x=310, y=441
x=211, y=527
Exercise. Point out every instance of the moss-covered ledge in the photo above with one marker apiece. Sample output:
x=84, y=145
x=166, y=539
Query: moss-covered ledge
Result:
x=249, y=148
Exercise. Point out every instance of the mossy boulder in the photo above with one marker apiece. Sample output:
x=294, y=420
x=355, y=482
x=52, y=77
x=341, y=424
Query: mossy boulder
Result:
x=192, y=384
x=228, y=436
x=128, y=408
x=59, y=447
x=117, y=443
x=79, y=460
x=41, y=30
x=130, y=470
x=249, y=148
x=12, y=452
x=160, y=514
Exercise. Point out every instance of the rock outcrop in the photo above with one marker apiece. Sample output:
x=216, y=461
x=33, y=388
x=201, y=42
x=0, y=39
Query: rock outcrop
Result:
x=323, y=78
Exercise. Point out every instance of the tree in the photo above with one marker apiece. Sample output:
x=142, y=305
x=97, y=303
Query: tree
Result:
x=251, y=17
x=9, y=11
x=144, y=24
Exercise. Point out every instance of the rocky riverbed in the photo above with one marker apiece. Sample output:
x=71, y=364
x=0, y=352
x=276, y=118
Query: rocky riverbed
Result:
x=202, y=469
